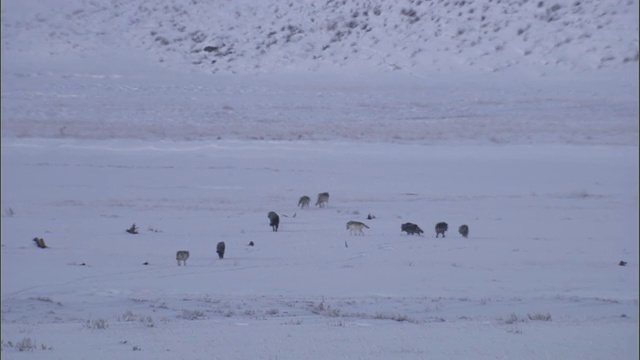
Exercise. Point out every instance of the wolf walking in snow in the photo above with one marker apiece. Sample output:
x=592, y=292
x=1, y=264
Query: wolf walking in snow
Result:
x=182, y=255
x=40, y=243
x=463, y=230
x=441, y=227
x=323, y=199
x=274, y=220
x=356, y=227
x=411, y=228
x=304, y=201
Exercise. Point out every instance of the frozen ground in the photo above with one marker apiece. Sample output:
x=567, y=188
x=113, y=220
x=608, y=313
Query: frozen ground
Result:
x=537, y=153
x=548, y=227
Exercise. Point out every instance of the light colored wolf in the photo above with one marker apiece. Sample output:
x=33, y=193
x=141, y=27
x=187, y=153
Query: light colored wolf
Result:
x=464, y=230
x=323, y=199
x=304, y=201
x=182, y=255
x=356, y=227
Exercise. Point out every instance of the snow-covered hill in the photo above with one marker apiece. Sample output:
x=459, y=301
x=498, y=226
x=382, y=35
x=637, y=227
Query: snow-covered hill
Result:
x=280, y=35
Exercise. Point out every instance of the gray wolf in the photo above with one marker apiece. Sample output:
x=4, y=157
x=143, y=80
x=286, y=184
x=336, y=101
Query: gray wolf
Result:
x=182, y=255
x=40, y=243
x=323, y=199
x=441, y=227
x=220, y=249
x=356, y=227
x=411, y=229
x=463, y=230
x=274, y=220
x=304, y=201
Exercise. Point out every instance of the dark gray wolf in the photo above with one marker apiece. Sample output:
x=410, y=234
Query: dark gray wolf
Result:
x=411, y=229
x=463, y=230
x=220, y=249
x=323, y=199
x=304, y=201
x=274, y=220
x=441, y=227
x=182, y=255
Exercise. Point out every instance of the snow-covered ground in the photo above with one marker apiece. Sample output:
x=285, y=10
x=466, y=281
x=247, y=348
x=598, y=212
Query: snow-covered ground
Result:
x=105, y=124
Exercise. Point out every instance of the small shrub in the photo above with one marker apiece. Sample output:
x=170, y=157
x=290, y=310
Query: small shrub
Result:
x=44, y=299
x=128, y=316
x=273, y=312
x=99, y=324
x=396, y=317
x=317, y=309
x=26, y=344
x=512, y=319
x=408, y=12
x=162, y=40
x=539, y=316
x=147, y=321
x=191, y=314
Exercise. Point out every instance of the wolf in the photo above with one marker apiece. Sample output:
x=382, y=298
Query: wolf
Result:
x=274, y=220
x=40, y=243
x=220, y=249
x=411, y=228
x=323, y=199
x=441, y=227
x=356, y=227
x=463, y=230
x=182, y=255
x=304, y=201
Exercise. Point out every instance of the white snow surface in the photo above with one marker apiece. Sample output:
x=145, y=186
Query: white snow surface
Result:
x=516, y=118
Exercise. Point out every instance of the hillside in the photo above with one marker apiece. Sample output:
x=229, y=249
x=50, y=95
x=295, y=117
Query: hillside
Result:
x=265, y=36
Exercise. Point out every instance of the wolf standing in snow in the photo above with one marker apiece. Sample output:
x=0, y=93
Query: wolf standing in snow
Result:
x=464, y=230
x=182, y=255
x=304, y=201
x=411, y=228
x=323, y=199
x=356, y=227
x=274, y=220
x=220, y=249
x=441, y=227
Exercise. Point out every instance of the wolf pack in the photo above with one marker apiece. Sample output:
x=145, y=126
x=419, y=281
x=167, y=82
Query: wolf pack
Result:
x=354, y=227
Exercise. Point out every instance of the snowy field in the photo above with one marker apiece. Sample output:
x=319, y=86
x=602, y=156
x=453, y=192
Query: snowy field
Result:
x=548, y=226
x=536, y=153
